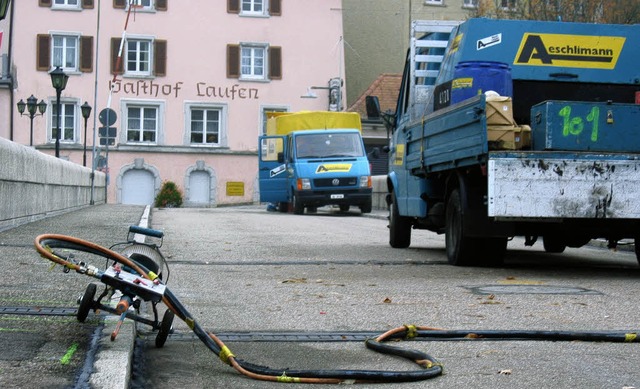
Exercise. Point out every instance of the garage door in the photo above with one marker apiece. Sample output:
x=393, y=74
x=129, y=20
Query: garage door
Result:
x=199, y=187
x=137, y=187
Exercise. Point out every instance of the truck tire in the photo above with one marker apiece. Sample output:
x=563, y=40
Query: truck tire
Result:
x=460, y=248
x=399, y=226
x=553, y=245
x=298, y=207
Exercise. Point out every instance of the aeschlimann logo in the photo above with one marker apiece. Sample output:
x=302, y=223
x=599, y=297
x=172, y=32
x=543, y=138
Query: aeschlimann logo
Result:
x=576, y=51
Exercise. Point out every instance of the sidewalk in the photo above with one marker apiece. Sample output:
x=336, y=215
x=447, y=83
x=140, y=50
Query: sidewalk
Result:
x=101, y=224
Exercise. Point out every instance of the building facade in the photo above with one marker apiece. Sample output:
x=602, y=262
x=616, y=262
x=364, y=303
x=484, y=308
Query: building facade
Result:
x=376, y=34
x=189, y=86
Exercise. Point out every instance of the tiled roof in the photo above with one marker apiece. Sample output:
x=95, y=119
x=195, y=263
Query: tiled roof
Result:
x=386, y=87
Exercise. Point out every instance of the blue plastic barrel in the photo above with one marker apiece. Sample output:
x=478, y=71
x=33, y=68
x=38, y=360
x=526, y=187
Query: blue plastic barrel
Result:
x=472, y=78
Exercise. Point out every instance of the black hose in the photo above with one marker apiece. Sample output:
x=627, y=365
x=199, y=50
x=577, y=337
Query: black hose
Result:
x=611, y=336
x=357, y=375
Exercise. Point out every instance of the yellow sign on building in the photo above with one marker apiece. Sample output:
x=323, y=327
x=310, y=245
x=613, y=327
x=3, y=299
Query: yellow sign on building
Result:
x=235, y=188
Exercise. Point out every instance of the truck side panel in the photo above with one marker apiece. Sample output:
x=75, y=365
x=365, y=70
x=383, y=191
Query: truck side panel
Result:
x=452, y=137
x=539, y=185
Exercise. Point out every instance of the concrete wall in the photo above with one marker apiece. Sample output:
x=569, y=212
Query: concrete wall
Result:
x=379, y=192
x=34, y=185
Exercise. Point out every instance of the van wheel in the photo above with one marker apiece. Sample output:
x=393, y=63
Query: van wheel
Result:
x=366, y=207
x=399, y=226
x=460, y=248
x=298, y=207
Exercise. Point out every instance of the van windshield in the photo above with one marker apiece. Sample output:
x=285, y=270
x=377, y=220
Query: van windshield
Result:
x=329, y=145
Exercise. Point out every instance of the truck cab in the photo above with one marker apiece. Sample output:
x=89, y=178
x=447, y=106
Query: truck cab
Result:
x=313, y=159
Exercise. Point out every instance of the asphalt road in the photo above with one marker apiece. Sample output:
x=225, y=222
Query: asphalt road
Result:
x=289, y=291
x=301, y=292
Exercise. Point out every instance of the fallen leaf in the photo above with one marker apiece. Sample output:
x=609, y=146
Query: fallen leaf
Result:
x=387, y=300
x=295, y=281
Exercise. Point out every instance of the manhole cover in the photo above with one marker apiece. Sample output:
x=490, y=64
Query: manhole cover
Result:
x=530, y=289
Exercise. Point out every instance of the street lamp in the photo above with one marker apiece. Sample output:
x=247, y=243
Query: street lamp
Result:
x=59, y=81
x=86, y=111
x=4, y=6
x=31, y=105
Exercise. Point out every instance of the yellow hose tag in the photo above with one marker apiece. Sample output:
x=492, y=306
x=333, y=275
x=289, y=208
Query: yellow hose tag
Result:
x=286, y=379
x=190, y=322
x=630, y=337
x=412, y=331
x=225, y=354
x=152, y=276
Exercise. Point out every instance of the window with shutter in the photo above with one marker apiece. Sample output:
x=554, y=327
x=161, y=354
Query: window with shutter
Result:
x=66, y=4
x=160, y=58
x=275, y=63
x=44, y=3
x=162, y=5
x=87, y=4
x=233, y=6
x=275, y=7
x=86, y=54
x=233, y=61
x=43, y=52
x=116, y=66
x=119, y=3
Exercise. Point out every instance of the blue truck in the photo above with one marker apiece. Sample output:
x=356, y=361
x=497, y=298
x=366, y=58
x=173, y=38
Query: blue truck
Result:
x=314, y=158
x=516, y=128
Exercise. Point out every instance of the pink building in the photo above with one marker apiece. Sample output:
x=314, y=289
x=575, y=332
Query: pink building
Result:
x=190, y=89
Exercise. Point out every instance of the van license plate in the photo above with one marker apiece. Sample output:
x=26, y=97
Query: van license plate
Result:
x=337, y=196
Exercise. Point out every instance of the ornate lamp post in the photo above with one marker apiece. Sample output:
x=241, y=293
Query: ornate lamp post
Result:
x=59, y=81
x=86, y=111
x=31, y=105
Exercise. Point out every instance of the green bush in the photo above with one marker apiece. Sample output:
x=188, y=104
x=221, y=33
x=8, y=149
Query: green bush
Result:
x=169, y=196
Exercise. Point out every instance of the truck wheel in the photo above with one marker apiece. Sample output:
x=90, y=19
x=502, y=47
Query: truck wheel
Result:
x=283, y=207
x=460, y=248
x=553, y=245
x=298, y=207
x=399, y=226
x=366, y=207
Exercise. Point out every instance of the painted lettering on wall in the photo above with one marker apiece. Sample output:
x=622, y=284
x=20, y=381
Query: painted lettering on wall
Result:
x=575, y=125
x=233, y=92
x=150, y=88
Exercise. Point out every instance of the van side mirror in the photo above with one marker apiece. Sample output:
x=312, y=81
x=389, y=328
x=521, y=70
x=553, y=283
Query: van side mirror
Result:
x=281, y=157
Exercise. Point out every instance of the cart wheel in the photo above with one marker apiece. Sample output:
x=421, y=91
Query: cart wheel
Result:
x=165, y=328
x=86, y=303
